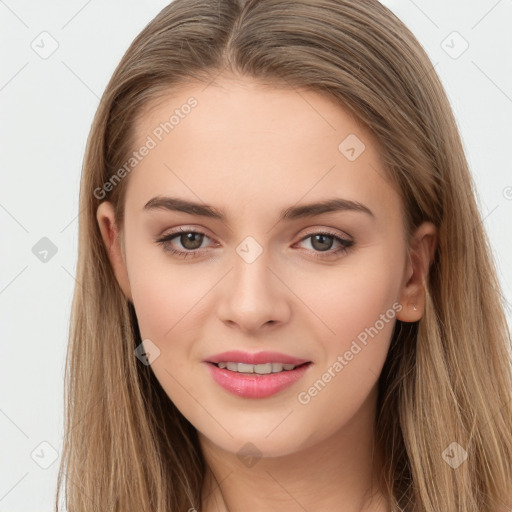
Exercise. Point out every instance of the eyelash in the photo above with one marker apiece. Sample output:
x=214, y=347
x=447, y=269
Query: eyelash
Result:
x=344, y=247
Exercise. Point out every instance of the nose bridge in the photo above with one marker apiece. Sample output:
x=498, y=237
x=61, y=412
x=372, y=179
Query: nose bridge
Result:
x=251, y=275
x=253, y=296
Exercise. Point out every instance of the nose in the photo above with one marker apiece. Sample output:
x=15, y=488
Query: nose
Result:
x=253, y=297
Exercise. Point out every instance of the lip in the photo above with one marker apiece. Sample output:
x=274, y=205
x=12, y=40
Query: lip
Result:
x=237, y=356
x=253, y=385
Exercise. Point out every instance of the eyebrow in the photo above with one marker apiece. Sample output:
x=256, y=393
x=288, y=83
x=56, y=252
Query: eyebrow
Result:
x=293, y=212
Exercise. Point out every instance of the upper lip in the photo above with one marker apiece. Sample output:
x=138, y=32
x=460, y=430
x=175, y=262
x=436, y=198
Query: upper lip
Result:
x=237, y=356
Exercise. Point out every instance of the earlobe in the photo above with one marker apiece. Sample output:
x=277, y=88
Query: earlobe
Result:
x=110, y=235
x=421, y=255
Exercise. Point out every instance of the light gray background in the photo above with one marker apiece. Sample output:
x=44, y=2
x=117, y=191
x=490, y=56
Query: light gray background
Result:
x=47, y=105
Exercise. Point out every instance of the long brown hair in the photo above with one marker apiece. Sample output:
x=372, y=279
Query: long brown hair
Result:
x=447, y=378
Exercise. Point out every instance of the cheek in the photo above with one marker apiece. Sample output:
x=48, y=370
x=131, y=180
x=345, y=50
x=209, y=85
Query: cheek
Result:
x=163, y=295
x=351, y=297
x=357, y=304
x=166, y=305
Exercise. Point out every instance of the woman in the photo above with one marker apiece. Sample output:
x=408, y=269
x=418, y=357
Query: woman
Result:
x=286, y=298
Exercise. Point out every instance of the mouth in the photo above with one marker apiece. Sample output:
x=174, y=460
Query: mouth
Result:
x=256, y=381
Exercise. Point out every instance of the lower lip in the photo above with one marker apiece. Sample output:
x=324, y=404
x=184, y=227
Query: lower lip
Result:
x=252, y=385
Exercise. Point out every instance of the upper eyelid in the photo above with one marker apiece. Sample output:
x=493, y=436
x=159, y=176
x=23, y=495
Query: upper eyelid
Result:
x=328, y=231
x=180, y=230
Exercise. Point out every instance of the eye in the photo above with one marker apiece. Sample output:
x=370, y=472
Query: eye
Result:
x=190, y=240
x=322, y=242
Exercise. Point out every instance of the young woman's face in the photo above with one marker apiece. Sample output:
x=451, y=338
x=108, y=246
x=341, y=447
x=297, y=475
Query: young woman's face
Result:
x=320, y=285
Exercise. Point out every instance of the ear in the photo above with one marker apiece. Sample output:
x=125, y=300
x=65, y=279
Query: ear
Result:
x=115, y=249
x=421, y=254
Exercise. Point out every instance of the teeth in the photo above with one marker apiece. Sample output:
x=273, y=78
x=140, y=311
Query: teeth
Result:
x=277, y=367
x=260, y=369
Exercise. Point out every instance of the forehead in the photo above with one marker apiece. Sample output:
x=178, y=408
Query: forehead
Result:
x=251, y=113
x=246, y=146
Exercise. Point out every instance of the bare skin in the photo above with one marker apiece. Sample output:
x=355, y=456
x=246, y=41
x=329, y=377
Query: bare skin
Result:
x=253, y=151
